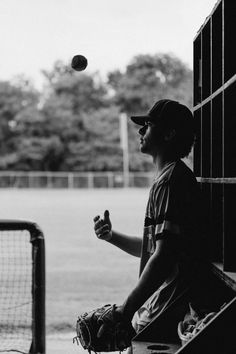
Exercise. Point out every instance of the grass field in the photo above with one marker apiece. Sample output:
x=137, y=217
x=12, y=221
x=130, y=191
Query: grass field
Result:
x=82, y=272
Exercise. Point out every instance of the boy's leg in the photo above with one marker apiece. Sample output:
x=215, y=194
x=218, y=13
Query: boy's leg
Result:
x=137, y=328
x=129, y=351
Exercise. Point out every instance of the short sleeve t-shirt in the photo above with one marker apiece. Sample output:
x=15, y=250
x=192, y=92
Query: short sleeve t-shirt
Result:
x=173, y=210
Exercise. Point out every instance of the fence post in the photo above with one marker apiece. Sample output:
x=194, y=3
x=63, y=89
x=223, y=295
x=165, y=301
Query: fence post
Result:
x=125, y=148
x=131, y=180
x=30, y=182
x=90, y=180
x=110, y=176
x=71, y=180
x=49, y=180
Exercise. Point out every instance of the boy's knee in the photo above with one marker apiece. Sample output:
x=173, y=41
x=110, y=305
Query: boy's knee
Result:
x=129, y=350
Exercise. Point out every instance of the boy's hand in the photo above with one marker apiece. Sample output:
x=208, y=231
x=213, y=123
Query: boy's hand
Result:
x=102, y=227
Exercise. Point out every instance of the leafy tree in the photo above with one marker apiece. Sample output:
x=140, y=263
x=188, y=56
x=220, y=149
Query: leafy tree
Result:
x=147, y=79
x=73, y=124
x=74, y=109
x=40, y=153
x=15, y=98
x=100, y=151
x=83, y=92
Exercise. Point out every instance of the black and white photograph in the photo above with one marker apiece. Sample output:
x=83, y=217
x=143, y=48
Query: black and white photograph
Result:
x=117, y=176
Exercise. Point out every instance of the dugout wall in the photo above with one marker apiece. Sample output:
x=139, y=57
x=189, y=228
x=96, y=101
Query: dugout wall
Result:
x=215, y=114
x=22, y=287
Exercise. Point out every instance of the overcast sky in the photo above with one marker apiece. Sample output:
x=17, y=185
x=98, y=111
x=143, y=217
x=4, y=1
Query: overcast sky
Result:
x=35, y=33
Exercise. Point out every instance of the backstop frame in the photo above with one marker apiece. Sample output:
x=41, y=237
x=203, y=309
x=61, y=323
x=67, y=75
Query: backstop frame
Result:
x=38, y=345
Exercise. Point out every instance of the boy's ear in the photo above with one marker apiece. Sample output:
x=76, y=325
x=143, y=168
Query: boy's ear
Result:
x=170, y=135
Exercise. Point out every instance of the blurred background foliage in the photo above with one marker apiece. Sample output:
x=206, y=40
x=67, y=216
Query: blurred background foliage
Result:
x=72, y=124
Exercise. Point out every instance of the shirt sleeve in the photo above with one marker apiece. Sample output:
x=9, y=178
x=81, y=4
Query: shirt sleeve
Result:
x=174, y=208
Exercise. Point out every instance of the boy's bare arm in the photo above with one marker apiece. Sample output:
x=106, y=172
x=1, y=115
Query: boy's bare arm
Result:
x=129, y=244
x=155, y=272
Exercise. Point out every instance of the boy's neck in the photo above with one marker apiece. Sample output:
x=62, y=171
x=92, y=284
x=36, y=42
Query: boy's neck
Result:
x=161, y=162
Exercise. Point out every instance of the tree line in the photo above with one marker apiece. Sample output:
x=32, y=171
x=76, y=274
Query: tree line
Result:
x=72, y=124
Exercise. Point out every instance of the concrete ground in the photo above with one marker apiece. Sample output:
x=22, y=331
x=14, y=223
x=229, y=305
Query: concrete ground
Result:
x=62, y=343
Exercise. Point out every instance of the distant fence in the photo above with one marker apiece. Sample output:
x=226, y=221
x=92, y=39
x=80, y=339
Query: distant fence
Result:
x=16, y=179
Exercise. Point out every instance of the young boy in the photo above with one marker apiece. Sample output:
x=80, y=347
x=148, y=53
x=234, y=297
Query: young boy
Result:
x=171, y=246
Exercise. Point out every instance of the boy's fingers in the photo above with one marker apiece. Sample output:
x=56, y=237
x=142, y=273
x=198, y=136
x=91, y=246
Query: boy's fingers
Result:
x=106, y=214
x=103, y=229
x=98, y=224
x=96, y=218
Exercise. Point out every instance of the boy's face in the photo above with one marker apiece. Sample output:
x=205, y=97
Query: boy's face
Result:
x=151, y=139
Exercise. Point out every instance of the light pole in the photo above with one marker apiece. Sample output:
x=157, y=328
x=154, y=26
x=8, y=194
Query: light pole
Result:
x=125, y=148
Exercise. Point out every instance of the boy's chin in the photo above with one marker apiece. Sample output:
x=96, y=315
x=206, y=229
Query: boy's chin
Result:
x=143, y=149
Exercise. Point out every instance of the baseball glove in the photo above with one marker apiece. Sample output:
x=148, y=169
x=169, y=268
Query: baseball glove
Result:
x=104, y=330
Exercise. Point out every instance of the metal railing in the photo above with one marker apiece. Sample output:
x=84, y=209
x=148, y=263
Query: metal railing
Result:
x=38, y=179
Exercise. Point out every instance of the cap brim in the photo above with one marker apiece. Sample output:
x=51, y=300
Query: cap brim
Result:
x=140, y=120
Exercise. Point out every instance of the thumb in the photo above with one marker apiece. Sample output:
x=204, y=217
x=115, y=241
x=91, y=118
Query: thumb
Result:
x=106, y=215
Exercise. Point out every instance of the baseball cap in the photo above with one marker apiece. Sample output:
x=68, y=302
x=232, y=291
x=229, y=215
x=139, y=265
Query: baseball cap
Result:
x=162, y=109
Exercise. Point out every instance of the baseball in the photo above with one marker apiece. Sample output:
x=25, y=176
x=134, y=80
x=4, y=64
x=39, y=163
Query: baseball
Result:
x=79, y=63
